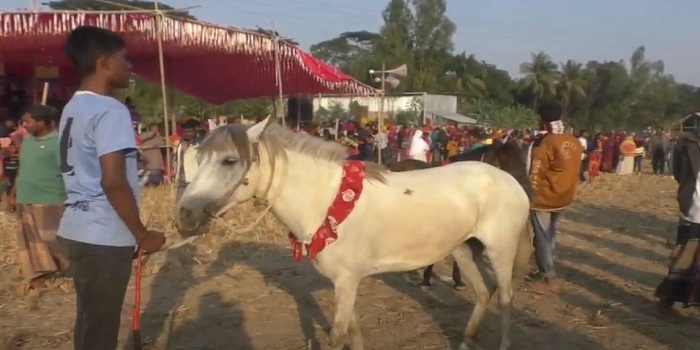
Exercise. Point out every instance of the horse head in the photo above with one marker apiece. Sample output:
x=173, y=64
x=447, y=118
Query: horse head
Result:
x=227, y=174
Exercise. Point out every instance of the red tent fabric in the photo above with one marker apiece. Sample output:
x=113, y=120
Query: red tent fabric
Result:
x=214, y=63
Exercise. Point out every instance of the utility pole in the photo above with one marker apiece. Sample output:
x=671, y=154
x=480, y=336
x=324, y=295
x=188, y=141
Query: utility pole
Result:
x=390, y=77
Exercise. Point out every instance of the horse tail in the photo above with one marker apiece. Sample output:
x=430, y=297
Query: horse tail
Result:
x=521, y=266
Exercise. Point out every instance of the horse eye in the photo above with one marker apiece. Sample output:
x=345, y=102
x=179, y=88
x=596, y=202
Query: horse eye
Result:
x=229, y=161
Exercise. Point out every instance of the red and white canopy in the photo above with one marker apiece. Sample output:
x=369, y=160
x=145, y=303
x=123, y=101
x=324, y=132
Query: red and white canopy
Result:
x=213, y=63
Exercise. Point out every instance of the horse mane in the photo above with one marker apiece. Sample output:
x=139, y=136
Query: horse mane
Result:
x=511, y=158
x=277, y=140
x=507, y=156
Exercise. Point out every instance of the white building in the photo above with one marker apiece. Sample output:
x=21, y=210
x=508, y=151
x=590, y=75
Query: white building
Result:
x=430, y=107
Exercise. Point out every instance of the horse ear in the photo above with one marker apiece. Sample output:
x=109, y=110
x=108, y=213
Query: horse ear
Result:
x=256, y=130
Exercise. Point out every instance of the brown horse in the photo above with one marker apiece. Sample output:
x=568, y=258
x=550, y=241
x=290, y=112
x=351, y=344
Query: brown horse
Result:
x=507, y=156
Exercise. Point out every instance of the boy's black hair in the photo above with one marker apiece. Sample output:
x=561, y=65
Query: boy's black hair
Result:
x=86, y=44
x=550, y=111
x=42, y=113
x=190, y=124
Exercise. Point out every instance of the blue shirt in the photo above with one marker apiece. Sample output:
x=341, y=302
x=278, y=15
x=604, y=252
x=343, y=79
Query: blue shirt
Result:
x=91, y=126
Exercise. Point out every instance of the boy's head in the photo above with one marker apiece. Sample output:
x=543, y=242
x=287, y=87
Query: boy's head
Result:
x=39, y=119
x=189, y=129
x=549, y=111
x=154, y=128
x=99, y=53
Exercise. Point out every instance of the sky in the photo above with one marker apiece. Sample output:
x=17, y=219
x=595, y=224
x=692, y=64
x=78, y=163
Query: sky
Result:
x=501, y=32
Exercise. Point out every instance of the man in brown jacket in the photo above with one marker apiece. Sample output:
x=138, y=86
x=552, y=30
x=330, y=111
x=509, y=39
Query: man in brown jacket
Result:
x=554, y=161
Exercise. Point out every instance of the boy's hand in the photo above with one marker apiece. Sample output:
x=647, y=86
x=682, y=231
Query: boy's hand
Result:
x=152, y=241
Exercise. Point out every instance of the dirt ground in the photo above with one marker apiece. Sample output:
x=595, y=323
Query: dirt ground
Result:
x=244, y=291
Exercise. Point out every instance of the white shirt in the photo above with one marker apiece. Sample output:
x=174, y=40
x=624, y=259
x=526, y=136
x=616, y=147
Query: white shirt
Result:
x=694, y=211
x=382, y=140
x=584, y=144
x=418, y=147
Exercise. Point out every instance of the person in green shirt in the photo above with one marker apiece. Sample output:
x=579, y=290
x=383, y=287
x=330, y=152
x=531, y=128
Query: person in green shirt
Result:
x=38, y=197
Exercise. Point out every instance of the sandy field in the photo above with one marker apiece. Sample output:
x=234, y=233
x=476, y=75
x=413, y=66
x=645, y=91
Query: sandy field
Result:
x=230, y=290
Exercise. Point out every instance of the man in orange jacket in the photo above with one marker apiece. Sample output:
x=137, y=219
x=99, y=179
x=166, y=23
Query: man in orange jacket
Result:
x=554, y=161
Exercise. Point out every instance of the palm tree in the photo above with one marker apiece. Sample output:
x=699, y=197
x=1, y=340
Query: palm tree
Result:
x=467, y=75
x=571, y=83
x=540, y=76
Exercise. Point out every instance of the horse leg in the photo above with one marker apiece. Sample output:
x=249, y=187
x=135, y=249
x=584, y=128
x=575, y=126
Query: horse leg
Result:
x=427, y=275
x=344, y=321
x=457, y=277
x=502, y=265
x=355, y=334
x=465, y=259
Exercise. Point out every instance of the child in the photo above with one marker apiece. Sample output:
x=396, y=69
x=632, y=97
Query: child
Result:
x=100, y=228
x=10, y=164
x=10, y=167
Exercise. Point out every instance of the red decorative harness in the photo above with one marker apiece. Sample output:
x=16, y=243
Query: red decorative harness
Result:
x=348, y=193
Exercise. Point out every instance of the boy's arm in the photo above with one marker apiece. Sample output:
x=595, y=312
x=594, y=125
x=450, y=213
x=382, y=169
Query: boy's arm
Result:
x=114, y=140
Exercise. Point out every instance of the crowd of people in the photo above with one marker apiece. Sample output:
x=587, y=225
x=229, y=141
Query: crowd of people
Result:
x=73, y=181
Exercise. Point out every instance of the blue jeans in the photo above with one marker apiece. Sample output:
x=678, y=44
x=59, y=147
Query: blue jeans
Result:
x=544, y=224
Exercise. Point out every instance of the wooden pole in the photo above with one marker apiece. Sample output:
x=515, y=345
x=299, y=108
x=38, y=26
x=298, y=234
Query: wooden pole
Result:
x=161, y=64
x=298, y=113
x=45, y=93
x=337, y=129
x=380, y=123
x=278, y=76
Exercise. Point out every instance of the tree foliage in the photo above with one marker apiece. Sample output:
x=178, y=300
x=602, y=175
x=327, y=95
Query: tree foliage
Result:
x=602, y=95
x=629, y=94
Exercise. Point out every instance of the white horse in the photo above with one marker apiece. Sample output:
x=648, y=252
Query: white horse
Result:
x=401, y=221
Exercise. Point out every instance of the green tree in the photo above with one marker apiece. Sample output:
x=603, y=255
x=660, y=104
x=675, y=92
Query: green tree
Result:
x=571, y=84
x=540, y=76
x=432, y=43
x=394, y=46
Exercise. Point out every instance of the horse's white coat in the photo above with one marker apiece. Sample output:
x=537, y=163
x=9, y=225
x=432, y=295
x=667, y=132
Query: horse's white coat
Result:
x=401, y=222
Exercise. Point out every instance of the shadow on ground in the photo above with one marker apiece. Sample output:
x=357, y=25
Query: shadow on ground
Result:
x=223, y=323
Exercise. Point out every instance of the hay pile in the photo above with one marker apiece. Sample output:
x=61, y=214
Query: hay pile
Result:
x=158, y=206
x=158, y=210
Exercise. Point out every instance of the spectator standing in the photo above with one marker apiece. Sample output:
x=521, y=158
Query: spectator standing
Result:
x=185, y=155
x=152, y=147
x=38, y=197
x=682, y=283
x=555, y=158
x=101, y=227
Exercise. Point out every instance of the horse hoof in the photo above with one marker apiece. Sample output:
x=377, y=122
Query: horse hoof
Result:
x=337, y=340
x=424, y=287
x=460, y=286
x=447, y=279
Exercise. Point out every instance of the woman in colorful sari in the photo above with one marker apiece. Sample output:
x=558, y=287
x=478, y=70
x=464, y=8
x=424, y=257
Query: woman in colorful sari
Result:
x=595, y=157
x=608, y=153
x=393, y=137
x=628, y=150
x=682, y=284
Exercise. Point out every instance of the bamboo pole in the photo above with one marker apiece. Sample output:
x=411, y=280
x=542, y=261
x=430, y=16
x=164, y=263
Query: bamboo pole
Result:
x=380, y=123
x=278, y=76
x=45, y=93
x=161, y=64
